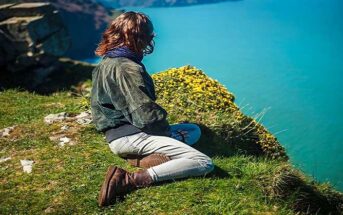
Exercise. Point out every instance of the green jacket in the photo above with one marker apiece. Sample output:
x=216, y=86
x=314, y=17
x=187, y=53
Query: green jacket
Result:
x=123, y=96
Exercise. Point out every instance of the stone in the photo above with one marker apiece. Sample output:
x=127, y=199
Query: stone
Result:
x=27, y=165
x=32, y=38
x=84, y=118
x=65, y=128
x=26, y=9
x=78, y=16
x=58, y=117
x=56, y=138
x=6, y=131
x=63, y=141
x=37, y=34
x=2, y=160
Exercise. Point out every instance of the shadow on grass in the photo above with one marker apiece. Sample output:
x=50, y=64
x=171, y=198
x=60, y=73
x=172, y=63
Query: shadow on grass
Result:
x=213, y=144
x=66, y=74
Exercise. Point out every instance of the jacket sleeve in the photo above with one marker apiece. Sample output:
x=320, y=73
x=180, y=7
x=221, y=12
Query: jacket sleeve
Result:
x=130, y=96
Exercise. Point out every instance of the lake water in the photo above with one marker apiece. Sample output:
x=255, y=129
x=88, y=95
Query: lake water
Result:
x=283, y=57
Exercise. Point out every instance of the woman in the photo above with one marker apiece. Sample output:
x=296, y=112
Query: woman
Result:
x=123, y=106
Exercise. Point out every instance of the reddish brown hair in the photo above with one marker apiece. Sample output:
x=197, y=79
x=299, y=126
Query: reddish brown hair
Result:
x=131, y=29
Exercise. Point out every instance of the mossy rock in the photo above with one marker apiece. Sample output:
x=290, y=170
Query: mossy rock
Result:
x=188, y=94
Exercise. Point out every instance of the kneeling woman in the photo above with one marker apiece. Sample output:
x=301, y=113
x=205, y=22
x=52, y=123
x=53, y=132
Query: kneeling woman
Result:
x=123, y=106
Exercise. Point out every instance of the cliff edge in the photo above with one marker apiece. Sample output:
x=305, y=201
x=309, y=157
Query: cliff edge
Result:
x=53, y=159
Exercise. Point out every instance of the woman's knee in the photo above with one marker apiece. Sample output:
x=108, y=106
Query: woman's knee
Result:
x=206, y=164
x=115, y=149
x=122, y=147
x=209, y=166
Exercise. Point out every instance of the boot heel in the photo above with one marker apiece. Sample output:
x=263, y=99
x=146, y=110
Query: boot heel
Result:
x=103, y=199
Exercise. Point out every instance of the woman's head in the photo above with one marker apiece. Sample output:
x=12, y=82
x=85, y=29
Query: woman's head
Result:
x=131, y=29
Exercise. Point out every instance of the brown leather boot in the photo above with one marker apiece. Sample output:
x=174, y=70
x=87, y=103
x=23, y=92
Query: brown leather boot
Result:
x=148, y=161
x=119, y=182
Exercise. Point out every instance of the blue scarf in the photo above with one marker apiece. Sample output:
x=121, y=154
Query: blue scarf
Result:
x=124, y=51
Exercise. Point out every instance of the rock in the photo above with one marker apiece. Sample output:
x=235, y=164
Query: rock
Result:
x=32, y=38
x=63, y=141
x=37, y=29
x=6, y=131
x=27, y=165
x=58, y=117
x=80, y=18
x=84, y=121
x=25, y=9
x=2, y=160
x=84, y=118
x=3, y=7
x=65, y=128
x=56, y=138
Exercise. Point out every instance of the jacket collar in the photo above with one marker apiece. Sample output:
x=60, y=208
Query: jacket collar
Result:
x=124, y=51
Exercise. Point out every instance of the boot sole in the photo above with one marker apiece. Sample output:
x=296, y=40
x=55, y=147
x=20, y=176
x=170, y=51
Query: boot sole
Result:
x=102, y=199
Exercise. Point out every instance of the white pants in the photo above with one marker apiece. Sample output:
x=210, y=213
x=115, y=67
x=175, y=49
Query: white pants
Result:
x=185, y=160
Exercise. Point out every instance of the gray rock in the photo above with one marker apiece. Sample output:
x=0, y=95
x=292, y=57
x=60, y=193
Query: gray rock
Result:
x=84, y=118
x=2, y=160
x=63, y=141
x=58, y=117
x=65, y=128
x=5, y=132
x=32, y=38
x=25, y=9
x=27, y=165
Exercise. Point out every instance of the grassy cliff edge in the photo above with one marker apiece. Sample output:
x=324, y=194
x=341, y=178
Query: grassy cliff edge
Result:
x=252, y=174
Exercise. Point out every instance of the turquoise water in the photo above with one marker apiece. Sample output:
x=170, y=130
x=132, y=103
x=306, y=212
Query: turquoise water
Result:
x=282, y=57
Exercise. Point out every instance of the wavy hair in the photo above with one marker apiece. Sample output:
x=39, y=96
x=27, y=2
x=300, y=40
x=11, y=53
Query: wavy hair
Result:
x=131, y=29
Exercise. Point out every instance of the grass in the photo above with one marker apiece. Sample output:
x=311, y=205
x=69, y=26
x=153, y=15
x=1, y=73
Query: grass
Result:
x=66, y=180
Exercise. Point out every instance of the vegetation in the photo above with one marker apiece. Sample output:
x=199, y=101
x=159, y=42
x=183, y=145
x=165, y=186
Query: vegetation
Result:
x=252, y=174
x=188, y=94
